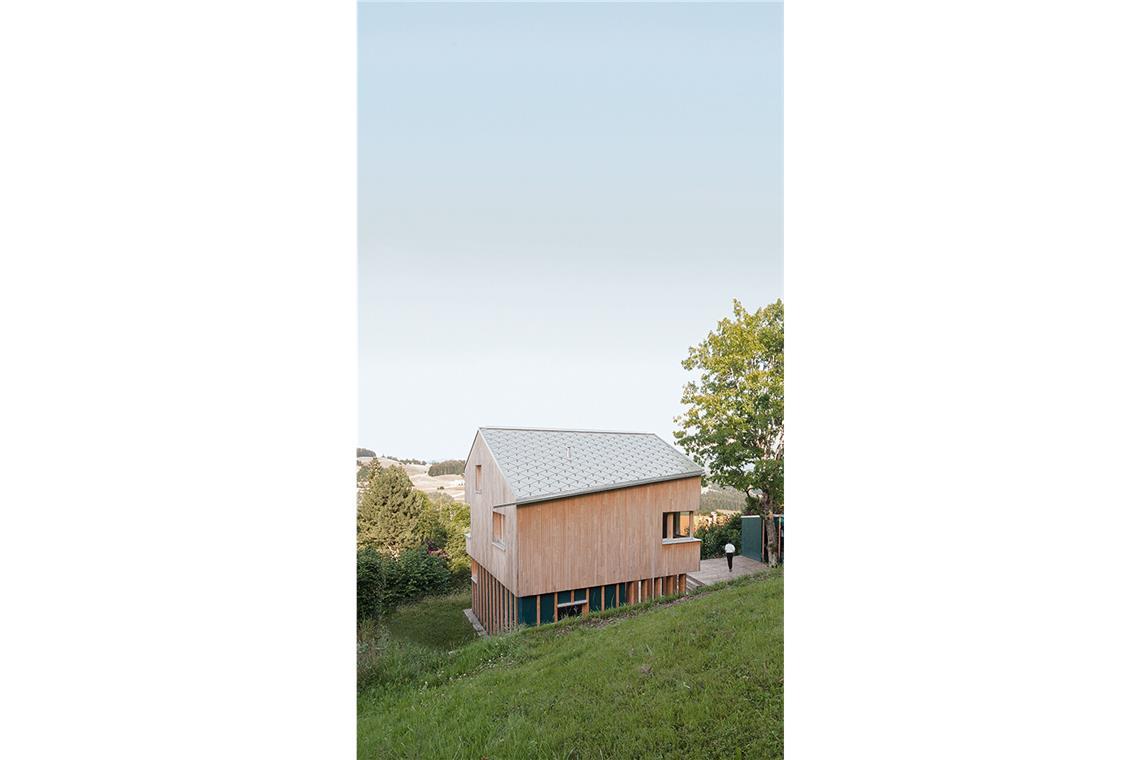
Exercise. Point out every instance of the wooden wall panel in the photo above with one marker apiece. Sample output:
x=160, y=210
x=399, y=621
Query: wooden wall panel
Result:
x=600, y=538
x=494, y=495
x=493, y=603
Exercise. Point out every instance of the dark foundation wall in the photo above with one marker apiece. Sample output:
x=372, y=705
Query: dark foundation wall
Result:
x=541, y=609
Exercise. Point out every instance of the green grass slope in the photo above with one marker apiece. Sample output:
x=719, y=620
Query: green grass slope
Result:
x=702, y=677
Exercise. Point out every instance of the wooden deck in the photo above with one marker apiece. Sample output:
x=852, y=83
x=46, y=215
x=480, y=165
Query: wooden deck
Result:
x=716, y=570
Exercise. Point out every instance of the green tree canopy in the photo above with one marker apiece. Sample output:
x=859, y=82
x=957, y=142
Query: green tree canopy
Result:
x=734, y=420
x=388, y=514
x=447, y=467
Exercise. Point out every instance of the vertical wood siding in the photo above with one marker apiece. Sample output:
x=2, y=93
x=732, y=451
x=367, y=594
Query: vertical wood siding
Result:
x=501, y=562
x=492, y=602
x=597, y=539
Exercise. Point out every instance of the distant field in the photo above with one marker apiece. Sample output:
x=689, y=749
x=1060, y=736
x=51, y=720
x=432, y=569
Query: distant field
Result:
x=702, y=677
x=452, y=485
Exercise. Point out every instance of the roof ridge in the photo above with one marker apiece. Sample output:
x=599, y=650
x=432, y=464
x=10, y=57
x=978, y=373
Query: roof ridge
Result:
x=565, y=430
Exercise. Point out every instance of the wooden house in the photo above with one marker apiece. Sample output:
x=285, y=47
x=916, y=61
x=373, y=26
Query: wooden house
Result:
x=569, y=522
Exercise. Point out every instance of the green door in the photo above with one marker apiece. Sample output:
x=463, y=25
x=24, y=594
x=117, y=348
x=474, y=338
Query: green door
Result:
x=750, y=536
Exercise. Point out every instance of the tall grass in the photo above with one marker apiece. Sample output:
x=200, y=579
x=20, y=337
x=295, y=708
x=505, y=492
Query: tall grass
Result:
x=411, y=640
x=702, y=677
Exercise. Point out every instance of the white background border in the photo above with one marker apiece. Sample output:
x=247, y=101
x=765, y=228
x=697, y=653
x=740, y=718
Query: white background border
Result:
x=177, y=301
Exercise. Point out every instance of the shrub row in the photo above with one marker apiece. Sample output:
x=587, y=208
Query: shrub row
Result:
x=383, y=581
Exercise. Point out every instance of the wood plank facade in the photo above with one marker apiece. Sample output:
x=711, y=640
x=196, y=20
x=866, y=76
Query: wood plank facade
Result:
x=573, y=555
x=602, y=538
x=494, y=605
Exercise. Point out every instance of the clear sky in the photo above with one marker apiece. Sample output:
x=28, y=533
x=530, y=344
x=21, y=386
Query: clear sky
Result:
x=556, y=201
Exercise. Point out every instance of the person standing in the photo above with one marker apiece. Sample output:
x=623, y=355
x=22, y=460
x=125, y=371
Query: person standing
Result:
x=729, y=550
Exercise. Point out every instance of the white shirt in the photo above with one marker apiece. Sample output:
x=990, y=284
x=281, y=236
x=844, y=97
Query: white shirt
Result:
x=729, y=549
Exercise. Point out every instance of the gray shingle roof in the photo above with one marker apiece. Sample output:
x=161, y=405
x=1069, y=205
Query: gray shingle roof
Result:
x=541, y=464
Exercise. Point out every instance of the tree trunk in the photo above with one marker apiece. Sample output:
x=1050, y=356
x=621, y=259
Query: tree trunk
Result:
x=773, y=538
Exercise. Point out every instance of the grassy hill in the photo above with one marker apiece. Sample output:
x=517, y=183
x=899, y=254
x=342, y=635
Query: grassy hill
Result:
x=699, y=677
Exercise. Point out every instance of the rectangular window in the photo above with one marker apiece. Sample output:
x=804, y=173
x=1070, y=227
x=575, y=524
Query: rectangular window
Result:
x=478, y=478
x=571, y=602
x=681, y=522
x=497, y=528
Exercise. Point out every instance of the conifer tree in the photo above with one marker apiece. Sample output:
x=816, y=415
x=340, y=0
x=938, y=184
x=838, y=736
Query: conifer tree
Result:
x=388, y=513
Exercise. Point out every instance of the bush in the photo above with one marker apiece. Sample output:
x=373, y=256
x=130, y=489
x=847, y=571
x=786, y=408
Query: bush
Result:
x=448, y=467
x=365, y=453
x=443, y=523
x=714, y=537
x=383, y=582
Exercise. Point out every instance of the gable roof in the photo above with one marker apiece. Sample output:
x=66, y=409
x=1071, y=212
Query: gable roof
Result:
x=543, y=463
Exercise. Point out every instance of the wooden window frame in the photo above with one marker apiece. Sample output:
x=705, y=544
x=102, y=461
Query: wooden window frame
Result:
x=677, y=524
x=671, y=527
x=478, y=478
x=499, y=527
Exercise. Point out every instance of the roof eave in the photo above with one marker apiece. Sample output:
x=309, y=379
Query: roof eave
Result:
x=606, y=487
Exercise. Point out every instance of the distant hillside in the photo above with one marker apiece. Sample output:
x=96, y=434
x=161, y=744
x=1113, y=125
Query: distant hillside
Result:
x=721, y=497
x=417, y=469
x=402, y=461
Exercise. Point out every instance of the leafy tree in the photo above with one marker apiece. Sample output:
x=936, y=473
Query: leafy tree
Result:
x=365, y=452
x=734, y=423
x=388, y=512
x=433, y=523
x=442, y=527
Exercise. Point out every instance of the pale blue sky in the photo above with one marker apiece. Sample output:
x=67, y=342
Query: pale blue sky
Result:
x=556, y=200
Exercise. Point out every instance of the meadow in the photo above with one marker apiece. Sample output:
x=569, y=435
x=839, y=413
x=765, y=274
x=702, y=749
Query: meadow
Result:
x=695, y=676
